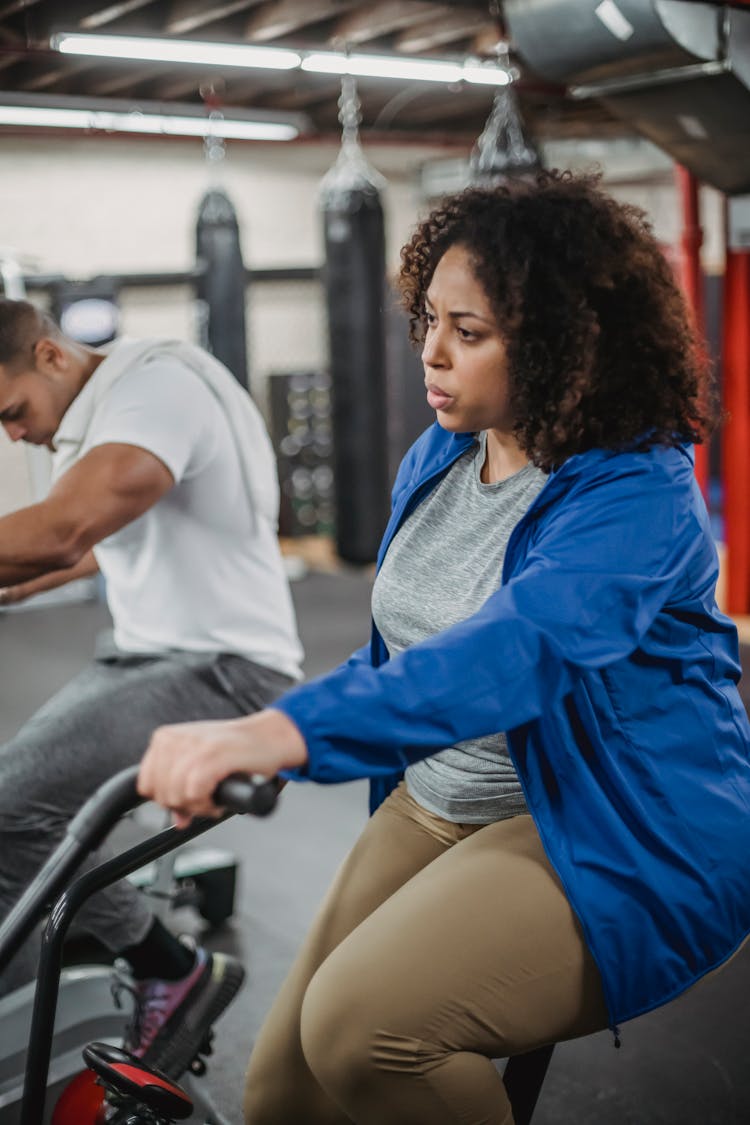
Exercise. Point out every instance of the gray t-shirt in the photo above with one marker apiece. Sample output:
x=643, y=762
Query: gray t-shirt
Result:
x=442, y=565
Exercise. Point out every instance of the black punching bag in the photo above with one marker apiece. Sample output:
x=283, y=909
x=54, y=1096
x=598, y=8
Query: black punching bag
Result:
x=221, y=287
x=355, y=287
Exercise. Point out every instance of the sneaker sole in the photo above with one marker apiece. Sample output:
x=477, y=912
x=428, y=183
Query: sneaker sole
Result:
x=174, y=1054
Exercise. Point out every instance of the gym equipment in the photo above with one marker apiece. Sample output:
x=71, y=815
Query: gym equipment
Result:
x=355, y=295
x=203, y=878
x=300, y=425
x=87, y=311
x=51, y=1043
x=220, y=287
x=219, y=279
x=523, y=1077
x=135, y=1091
x=85, y=1010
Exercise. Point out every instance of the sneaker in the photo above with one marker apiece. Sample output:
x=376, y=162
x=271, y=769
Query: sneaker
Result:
x=173, y=1018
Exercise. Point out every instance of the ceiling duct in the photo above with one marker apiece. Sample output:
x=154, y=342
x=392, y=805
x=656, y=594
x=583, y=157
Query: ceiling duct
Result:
x=677, y=71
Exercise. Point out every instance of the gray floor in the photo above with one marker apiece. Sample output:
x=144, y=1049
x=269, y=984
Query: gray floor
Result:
x=688, y=1064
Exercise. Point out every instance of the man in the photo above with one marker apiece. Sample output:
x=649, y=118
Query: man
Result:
x=164, y=479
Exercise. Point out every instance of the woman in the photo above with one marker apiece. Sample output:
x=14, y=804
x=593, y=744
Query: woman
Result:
x=548, y=572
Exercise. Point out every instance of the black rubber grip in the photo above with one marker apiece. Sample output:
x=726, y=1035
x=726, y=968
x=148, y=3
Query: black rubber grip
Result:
x=246, y=793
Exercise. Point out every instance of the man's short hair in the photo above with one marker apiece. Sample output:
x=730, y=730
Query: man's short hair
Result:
x=21, y=325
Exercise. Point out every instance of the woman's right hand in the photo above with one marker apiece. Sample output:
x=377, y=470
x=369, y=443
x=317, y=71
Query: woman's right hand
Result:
x=185, y=762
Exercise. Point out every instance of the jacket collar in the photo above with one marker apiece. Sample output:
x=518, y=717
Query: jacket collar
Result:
x=441, y=448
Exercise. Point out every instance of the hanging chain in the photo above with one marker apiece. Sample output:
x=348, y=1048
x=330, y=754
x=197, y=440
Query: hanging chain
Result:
x=350, y=107
x=214, y=148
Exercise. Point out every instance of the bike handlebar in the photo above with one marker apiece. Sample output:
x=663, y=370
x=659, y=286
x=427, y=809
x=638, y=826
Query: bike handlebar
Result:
x=248, y=793
x=239, y=793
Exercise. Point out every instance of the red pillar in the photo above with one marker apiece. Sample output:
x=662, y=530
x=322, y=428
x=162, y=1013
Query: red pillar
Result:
x=736, y=433
x=691, y=278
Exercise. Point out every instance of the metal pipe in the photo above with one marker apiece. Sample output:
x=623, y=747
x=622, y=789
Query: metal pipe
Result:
x=612, y=86
x=736, y=435
x=691, y=276
x=176, y=277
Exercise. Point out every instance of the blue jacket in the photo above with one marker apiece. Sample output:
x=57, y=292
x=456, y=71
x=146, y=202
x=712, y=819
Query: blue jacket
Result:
x=604, y=657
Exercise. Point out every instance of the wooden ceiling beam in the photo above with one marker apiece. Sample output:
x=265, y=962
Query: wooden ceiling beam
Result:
x=488, y=39
x=49, y=16
x=16, y=6
x=111, y=12
x=451, y=26
x=9, y=60
x=283, y=17
x=316, y=94
x=231, y=87
x=188, y=15
x=12, y=48
x=11, y=40
x=179, y=86
x=248, y=93
x=436, y=110
x=56, y=75
x=124, y=81
x=370, y=22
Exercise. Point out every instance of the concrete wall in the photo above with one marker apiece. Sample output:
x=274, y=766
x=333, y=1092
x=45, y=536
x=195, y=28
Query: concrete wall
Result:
x=85, y=206
x=81, y=206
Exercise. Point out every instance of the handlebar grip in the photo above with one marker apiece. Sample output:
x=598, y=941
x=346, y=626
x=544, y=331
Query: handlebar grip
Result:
x=247, y=793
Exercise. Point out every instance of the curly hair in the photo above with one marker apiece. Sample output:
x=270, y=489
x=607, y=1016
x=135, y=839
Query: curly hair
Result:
x=601, y=350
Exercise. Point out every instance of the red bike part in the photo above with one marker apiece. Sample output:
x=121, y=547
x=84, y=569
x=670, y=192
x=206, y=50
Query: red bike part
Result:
x=81, y=1102
x=129, y=1079
x=146, y=1079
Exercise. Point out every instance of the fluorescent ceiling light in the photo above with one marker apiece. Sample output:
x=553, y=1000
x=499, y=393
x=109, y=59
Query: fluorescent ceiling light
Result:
x=381, y=66
x=394, y=66
x=485, y=74
x=319, y=62
x=137, y=122
x=176, y=50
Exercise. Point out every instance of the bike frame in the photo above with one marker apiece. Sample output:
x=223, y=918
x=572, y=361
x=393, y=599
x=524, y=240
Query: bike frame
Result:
x=85, y=832
x=524, y=1074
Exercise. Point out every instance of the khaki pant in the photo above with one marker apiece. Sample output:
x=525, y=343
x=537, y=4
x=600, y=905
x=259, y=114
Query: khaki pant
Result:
x=438, y=948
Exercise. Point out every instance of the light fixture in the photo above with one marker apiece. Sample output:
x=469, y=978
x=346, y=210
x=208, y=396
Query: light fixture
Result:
x=401, y=66
x=155, y=118
x=381, y=66
x=485, y=74
x=320, y=62
x=176, y=51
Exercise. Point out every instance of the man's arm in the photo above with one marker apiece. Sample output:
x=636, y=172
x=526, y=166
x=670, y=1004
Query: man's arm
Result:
x=108, y=488
x=86, y=567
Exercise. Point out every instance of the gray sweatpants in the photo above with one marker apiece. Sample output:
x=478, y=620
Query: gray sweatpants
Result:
x=98, y=724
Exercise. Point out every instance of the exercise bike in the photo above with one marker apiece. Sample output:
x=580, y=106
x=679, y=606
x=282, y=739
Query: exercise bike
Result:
x=118, y=1088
